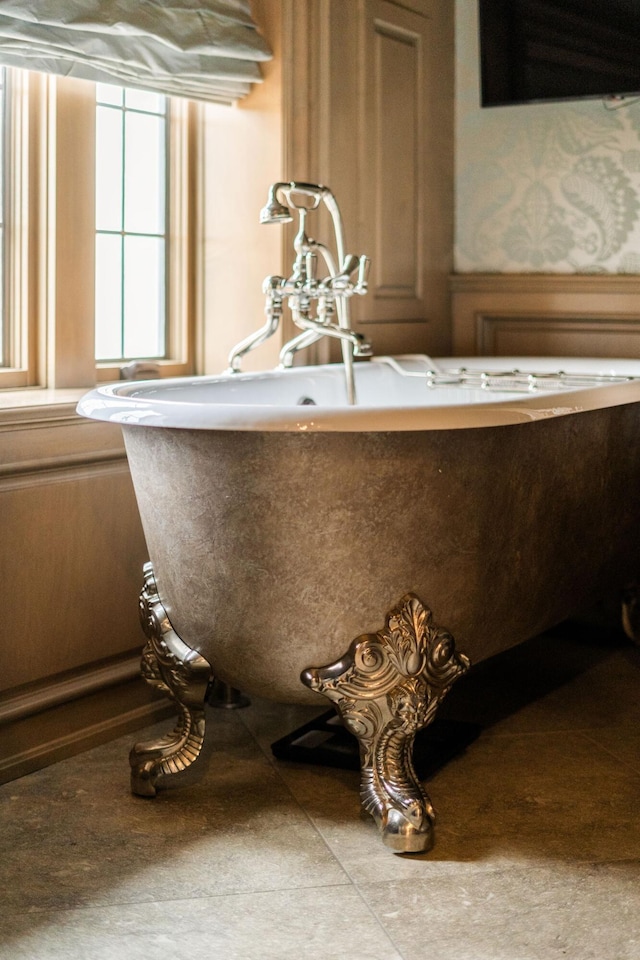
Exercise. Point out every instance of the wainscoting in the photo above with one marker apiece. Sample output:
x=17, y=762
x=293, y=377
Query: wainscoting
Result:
x=71, y=556
x=545, y=315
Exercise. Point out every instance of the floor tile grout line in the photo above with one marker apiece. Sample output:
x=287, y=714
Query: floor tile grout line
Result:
x=625, y=763
x=379, y=923
x=40, y=911
x=239, y=723
x=352, y=880
x=524, y=867
x=275, y=764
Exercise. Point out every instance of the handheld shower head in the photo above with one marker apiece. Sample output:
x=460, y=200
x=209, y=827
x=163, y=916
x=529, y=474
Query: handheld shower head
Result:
x=275, y=211
x=302, y=196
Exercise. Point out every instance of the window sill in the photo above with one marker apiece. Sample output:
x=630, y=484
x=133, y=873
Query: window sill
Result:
x=38, y=401
x=40, y=396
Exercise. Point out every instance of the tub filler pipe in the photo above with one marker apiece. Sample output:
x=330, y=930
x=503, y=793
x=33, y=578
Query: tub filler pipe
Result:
x=313, y=302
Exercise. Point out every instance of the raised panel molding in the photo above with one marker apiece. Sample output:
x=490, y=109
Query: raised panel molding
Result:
x=71, y=471
x=396, y=142
x=558, y=336
x=39, y=438
x=71, y=567
x=546, y=315
x=369, y=111
x=36, y=698
x=418, y=6
x=35, y=740
x=406, y=164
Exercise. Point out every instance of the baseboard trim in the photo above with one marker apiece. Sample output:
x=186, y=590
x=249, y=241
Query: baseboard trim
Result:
x=64, y=730
x=68, y=687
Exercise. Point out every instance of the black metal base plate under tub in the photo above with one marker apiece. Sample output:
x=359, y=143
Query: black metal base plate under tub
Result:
x=523, y=675
x=325, y=742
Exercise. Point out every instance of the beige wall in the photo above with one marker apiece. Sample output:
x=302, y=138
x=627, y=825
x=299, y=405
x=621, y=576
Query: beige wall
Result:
x=243, y=154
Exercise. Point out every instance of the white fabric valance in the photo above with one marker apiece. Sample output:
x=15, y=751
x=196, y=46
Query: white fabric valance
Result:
x=201, y=49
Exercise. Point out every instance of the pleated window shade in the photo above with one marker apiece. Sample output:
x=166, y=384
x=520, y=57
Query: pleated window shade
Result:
x=199, y=49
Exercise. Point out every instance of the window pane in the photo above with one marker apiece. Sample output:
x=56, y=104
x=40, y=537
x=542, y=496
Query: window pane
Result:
x=108, y=296
x=107, y=93
x=109, y=171
x=144, y=297
x=143, y=100
x=144, y=173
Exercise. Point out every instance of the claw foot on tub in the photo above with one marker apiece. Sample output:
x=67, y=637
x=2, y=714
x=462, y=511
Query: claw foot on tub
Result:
x=386, y=688
x=182, y=674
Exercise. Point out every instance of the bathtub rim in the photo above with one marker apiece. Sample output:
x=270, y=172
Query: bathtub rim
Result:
x=112, y=403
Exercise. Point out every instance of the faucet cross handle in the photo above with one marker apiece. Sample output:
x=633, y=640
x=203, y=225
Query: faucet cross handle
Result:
x=362, y=283
x=311, y=263
x=343, y=281
x=350, y=265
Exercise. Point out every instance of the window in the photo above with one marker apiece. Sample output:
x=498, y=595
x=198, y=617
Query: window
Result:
x=99, y=251
x=131, y=223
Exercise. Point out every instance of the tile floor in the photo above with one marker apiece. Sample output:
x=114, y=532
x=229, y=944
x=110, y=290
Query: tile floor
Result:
x=537, y=852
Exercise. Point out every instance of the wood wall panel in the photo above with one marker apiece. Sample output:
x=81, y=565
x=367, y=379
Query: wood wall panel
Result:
x=558, y=337
x=538, y=315
x=398, y=184
x=71, y=544
x=70, y=569
x=71, y=556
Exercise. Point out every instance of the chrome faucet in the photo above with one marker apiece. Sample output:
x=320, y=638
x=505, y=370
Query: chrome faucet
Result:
x=314, y=303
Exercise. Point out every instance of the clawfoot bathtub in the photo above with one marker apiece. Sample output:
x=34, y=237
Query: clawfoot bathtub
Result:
x=303, y=548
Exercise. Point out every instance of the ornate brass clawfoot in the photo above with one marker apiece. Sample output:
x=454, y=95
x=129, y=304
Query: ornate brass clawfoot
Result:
x=183, y=675
x=386, y=688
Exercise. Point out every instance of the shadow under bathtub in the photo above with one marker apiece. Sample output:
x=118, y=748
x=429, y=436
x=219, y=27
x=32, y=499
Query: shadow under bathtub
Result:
x=491, y=692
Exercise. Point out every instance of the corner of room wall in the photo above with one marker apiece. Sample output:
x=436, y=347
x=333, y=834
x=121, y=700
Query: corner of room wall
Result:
x=542, y=188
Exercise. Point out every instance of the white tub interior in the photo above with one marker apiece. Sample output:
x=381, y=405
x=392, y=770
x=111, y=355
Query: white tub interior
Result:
x=395, y=393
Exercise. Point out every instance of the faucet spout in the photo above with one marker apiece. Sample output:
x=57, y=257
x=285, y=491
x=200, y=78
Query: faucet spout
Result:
x=324, y=328
x=273, y=312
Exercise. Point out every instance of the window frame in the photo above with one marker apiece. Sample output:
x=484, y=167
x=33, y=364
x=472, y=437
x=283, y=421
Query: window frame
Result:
x=119, y=112
x=20, y=185
x=50, y=231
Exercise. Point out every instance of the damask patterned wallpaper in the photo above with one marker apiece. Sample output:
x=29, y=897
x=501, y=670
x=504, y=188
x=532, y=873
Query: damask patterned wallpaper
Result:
x=542, y=188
